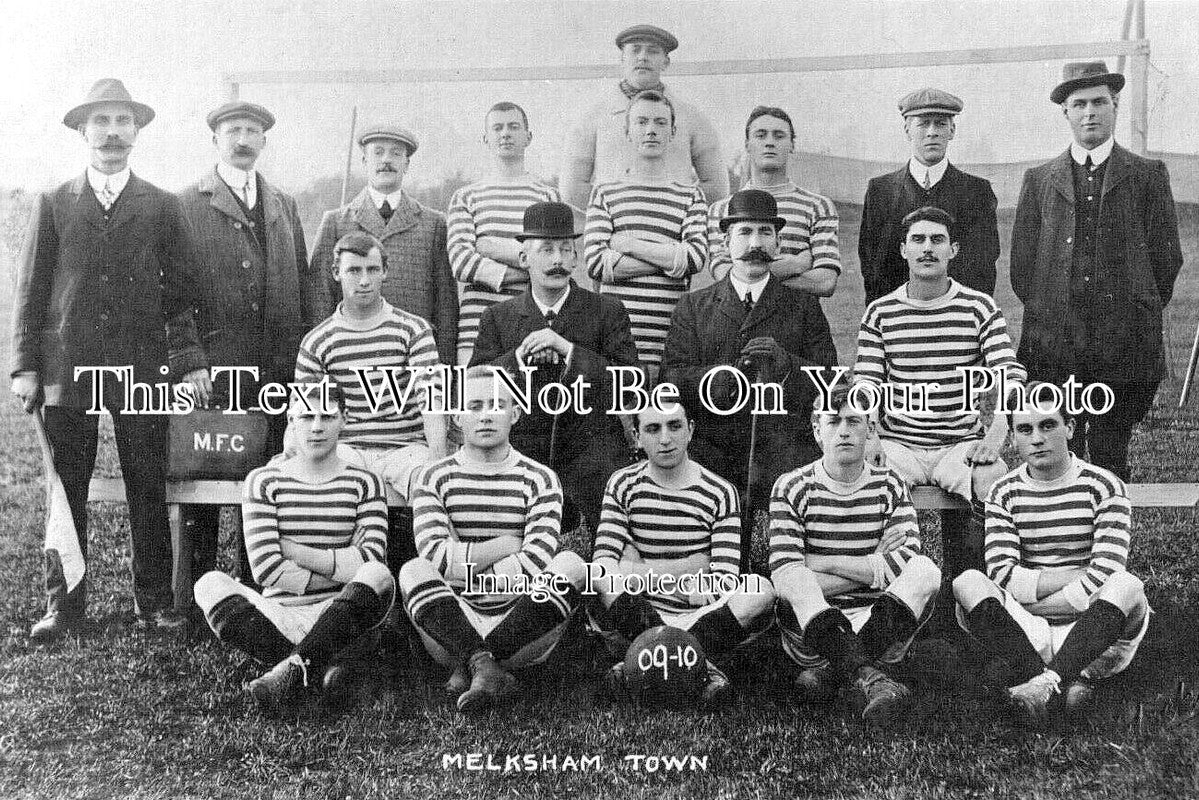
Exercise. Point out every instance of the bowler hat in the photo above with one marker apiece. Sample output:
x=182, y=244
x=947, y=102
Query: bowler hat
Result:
x=752, y=205
x=1082, y=75
x=548, y=221
x=651, y=33
x=240, y=108
x=389, y=131
x=930, y=101
x=108, y=90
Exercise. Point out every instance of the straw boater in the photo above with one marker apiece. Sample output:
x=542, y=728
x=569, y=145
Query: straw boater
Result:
x=1095, y=253
x=107, y=279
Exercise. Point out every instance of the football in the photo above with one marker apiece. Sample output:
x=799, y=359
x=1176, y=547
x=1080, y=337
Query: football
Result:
x=665, y=666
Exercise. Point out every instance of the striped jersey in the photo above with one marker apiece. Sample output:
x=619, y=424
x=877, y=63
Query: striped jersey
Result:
x=347, y=515
x=395, y=352
x=664, y=212
x=486, y=208
x=1081, y=520
x=811, y=225
x=666, y=523
x=813, y=514
x=915, y=347
x=460, y=503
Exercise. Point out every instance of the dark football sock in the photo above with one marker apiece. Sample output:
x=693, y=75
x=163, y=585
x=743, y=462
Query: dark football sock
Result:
x=718, y=631
x=955, y=527
x=239, y=624
x=1096, y=630
x=631, y=615
x=973, y=552
x=355, y=610
x=401, y=544
x=890, y=621
x=443, y=621
x=528, y=621
x=1001, y=637
x=831, y=636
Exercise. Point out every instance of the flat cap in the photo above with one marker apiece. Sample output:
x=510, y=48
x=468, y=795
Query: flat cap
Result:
x=650, y=33
x=240, y=108
x=389, y=131
x=1083, y=75
x=930, y=101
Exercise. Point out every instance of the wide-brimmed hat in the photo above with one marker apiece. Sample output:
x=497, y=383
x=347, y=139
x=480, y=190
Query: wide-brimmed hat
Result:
x=752, y=205
x=648, y=33
x=240, y=108
x=549, y=221
x=392, y=132
x=108, y=90
x=1083, y=75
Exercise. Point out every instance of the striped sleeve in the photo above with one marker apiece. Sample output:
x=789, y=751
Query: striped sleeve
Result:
x=432, y=529
x=466, y=262
x=260, y=523
x=823, y=241
x=612, y=534
x=1109, y=548
x=786, y=522
x=544, y=519
x=997, y=349
x=597, y=233
x=726, y=532
x=719, y=262
x=1002, y=549
x=871, y=364
x=308, y=362
x=902, y=517
x=695, y=235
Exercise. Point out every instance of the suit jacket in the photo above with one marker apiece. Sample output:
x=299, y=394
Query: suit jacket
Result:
x=1137, y=259
x=891, y=197
x=105, y=289
x=598, y=326
x=418, y=279
x=710, y=327
x=253, y=311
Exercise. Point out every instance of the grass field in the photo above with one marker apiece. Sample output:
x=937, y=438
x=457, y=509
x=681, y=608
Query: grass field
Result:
x=122, y=713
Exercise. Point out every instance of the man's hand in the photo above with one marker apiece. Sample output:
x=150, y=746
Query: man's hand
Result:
x=27, y=386
x=874, y=450
x=544, y=346
x=892, y=539
x=201, y=386
x=622, y=240
x=981, y=454
x=498, y=248
x=764, y=353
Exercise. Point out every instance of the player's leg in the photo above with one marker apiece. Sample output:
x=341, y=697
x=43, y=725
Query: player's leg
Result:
x=534, y=625
x=985, y=613
x=737, y=617
x=237, y=621
x=619, y=615
x=818, y=637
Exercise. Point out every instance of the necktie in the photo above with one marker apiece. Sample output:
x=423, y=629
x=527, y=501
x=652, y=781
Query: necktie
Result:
x=385, y=211
x=1089, y=164
x=245, y=194
x=107, y=196
x=749, y=302
x=928, y=184
x=550, y=316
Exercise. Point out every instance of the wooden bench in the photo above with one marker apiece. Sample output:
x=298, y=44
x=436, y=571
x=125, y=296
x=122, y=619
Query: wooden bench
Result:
x=228, y=493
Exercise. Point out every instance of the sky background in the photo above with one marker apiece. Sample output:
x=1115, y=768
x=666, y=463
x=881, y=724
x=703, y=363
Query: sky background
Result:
x=172, y=55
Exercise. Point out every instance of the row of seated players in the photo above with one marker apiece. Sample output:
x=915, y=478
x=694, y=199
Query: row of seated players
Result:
x=849, y=587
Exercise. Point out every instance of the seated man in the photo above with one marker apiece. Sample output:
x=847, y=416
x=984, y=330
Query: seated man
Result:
x=915, y=342
x=365, y=339
x=845, y=558
x=668, y=515
x=316, y=534
x=1056, y=609
x=487, y=524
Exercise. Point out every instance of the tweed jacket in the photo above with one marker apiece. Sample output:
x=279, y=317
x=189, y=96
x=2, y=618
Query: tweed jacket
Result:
x=710, y=327
x=597, y=325
x=1137, y=254
x=253, y=311
x=596, y=150
x=96, y=289
x=419, y=279
x=891, y=197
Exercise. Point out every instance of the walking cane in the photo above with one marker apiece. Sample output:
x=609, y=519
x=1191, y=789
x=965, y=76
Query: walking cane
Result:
x=1190, y=376
x=345, y=176
x=751, y=475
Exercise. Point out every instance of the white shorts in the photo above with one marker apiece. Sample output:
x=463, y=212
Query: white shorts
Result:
x=940, y=466
x=534, y=652
x=1047, y=638
x=395, y=466
x=293, y=616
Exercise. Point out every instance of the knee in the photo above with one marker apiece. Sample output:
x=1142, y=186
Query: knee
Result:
x=923, y=571
x=756, y=597
x=415, y=572
x=375, y=575
x=971, y=588
x=983, y=477
x=1123, y=589
x=570, y=566
x=212, y=588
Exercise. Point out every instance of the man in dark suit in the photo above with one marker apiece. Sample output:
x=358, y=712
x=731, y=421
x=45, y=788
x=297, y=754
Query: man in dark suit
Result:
x=1095, y=253
x=928, y=179
x=107, y=279
x=259, y=295
x=565, y=332
x=750, y=322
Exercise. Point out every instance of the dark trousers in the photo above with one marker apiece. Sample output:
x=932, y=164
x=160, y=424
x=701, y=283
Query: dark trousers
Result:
x=142, y=450
x=1103, y=438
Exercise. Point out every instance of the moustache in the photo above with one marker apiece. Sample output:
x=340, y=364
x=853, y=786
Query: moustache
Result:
x=114, y=144
x=244, y=151
x=757, y=254
x=558, y=271
x=386, y=168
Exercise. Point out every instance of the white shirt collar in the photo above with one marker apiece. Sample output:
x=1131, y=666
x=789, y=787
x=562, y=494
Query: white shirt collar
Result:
x=237, y=178
x=117, y=181
x=556, y=307
x=392, y=199
x=755, y=289
x=935, y=173
x=1098, y=155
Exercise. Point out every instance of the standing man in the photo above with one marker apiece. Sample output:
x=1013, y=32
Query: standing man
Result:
x=413, y=236
x=1095, y=253
x=749, y=322
x=566, y=332
x=107, y=279
x=808, y=258
x=259, y=296
x=484, y=220
x=646, y=232
x=928, y=179
x=596, y=149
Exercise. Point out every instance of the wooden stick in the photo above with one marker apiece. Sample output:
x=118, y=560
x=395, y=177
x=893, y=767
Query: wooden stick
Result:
x=345, y=176
x=1190, y=376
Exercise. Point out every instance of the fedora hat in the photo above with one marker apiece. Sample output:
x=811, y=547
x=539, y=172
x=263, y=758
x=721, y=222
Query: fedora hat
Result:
x=108, y=90
x=1082, y=75
x=549, y=221
x=752, y=205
